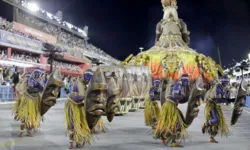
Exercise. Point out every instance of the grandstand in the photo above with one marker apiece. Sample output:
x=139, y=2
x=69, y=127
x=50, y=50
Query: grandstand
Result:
x=24, y=38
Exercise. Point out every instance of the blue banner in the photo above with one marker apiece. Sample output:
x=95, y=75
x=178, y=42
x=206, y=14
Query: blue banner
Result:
x=17, y=41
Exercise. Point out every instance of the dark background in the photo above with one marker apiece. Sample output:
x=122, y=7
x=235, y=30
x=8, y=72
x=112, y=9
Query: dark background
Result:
x=120, y=27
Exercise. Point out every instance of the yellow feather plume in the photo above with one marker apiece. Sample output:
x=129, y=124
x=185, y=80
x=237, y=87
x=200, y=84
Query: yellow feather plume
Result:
x=151, y=112
x=82, y=133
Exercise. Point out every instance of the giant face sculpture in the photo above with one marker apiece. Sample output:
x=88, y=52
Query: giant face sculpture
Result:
x=196, y=93
x=96, y=98
x=51, y=91
x=113, y=90
x=112, y=102
x=239, y=102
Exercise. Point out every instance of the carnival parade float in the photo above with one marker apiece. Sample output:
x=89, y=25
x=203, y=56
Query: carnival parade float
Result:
x=186, y=77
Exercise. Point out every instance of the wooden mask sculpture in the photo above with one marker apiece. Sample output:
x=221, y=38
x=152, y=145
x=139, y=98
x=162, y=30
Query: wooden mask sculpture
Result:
x=51, y=91
x=96, y=97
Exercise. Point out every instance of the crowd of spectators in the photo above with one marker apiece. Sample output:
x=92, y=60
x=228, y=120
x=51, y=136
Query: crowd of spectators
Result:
x=67, y=66
x=8, y=26
x=79, y=44
x=25, y=57
x=3, y=54
x=75, y=42
x=68, y=40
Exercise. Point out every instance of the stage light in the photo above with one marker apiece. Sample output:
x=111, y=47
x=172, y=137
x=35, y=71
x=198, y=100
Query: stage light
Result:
x=32, y=7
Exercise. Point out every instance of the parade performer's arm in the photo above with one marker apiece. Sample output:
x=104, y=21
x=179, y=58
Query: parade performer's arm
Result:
x=214, y=117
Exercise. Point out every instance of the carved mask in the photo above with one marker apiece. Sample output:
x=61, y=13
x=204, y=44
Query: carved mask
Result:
x=96, y=98
x=51, y=91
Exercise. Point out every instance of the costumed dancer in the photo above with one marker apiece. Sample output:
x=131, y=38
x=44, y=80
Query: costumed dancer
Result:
x=136, y=88
x=119, y=81
x=27, y=106
x=215, y=120
x=171, y=123
x=152, y=110
x=146, y=85
x=124, y=96
x=130, y=80
x=79, y=132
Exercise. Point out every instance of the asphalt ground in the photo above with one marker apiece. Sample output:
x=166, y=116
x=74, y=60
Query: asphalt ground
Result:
x=126, y=132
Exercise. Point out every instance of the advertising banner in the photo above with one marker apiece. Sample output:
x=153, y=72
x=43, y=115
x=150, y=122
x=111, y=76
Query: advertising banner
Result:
x=35, y=33
x=17, y=41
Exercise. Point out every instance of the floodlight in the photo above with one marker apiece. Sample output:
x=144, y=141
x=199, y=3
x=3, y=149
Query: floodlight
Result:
x=32, y=7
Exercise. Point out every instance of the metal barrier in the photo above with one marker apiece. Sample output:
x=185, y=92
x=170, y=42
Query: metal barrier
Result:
x=247, y=101
x=63, y=93
x=6, y=93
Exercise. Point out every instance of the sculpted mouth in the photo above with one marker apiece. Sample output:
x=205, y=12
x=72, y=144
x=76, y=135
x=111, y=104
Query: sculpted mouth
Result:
x=50, y=100
x=98, y=110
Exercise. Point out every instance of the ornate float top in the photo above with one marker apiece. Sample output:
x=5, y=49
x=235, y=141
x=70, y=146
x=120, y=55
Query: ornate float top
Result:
x=171, y=57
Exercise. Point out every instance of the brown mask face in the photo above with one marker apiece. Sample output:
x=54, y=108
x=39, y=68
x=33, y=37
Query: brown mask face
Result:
x=95, y=106
x=112, y=102
x=51, y=91
x=239, y=102
x=112, y=107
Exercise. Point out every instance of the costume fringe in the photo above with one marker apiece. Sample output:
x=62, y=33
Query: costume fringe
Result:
x=223, y=127
x=81, y=131
x=151, y=112
x=99, y=128
x=171, y=122
x=27, y=109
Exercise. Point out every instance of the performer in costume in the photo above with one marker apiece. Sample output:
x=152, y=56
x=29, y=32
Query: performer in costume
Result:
x=171, y=123
x=152, y=110
x=124, y=96
x=79, y=132
x=146, y=86
x=27, y=107
x=215, y=121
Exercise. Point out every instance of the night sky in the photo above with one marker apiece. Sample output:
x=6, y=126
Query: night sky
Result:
x=120, y=27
